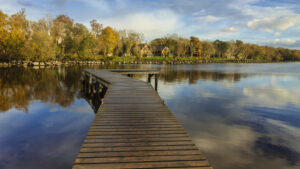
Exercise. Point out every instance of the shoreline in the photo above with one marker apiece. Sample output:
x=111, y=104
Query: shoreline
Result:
x=170, y=62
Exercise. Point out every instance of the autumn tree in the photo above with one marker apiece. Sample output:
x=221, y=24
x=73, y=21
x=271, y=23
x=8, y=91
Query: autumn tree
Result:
x=62, y=26
x=96, y=28
x=13, y=31
x=40, y=46
x=208, y=49
x=129, y=43
x=109, y=39
x=195, y=47
x=4, y=36
x=61, y=39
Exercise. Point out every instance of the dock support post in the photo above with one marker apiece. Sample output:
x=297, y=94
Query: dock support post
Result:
x=156, y=81
x=90, y=84
x=149, y=77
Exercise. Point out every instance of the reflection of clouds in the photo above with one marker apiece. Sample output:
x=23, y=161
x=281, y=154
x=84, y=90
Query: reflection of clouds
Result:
x=168, y=90
x=226, y=144
x=227, y=119
x=273, y=149
x=85, y=108
x=274, y=92
x=207, y=94
x=43, y=139
x=273, y=96
x=228, y=84
x=289, y=131
x=225, y=122
x=231, y=147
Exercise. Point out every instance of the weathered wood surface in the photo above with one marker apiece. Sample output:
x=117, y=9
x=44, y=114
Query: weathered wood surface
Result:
x=134, y=71
x=134, y=129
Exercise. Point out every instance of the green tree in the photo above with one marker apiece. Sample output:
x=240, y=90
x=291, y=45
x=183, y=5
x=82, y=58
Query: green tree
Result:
x=221, y=48
x=182, y=47
x=208, y=49
x=61, y=30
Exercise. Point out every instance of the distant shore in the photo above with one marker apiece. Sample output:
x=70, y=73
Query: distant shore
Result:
x=141, y=61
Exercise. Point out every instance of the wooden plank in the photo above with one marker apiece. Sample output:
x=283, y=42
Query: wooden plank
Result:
x=131, y=140
x=146, y=148
x=135, y=136
x=135, y=71
x=134, y=129
x=134, y=126
x=96, y=133
x=96, y=160
x=137, y=144
x=139, y=153
x=135, y=120
x=198, y=163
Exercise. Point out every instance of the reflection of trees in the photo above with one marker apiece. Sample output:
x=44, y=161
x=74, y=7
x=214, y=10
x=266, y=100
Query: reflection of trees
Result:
x=169, y=73
x=19, y=86
x=172, y=75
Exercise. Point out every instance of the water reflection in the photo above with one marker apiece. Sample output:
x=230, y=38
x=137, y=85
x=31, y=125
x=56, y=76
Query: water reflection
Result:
x=239, y=120
x=93, y=92
x=19, y=86
x=43, y=118
x=239, y=115
x=192, y=76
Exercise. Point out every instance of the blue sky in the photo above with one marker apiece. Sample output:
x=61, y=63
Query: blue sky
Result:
x=264, y=22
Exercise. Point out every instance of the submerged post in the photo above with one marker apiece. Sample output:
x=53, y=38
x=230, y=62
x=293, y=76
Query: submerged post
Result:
x=156, y=81
x=149, y=77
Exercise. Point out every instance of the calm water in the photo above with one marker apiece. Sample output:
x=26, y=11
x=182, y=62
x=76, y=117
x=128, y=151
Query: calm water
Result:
x=241, y=116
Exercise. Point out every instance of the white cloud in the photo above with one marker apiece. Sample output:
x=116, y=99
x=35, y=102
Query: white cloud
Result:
x=156, y=23
x=284, y=41
x=270, y=19
x=230, y=30
x=277, y=23
x=209, y=18
x=277, y=33
x=9, y=7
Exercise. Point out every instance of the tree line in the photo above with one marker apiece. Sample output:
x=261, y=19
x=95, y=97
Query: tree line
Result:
x=62, y=39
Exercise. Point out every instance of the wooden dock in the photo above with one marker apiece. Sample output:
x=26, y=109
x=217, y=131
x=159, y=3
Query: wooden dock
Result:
x=133, y=128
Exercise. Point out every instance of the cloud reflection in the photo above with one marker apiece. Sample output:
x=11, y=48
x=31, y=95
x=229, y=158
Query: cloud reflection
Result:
x=246, y=123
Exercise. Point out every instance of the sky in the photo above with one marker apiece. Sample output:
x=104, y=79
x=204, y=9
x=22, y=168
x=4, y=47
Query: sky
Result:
x=264, y=22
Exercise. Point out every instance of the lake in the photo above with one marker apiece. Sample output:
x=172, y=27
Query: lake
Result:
x=241, y=116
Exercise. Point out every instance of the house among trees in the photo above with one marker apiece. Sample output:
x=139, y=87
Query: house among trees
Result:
x=145, y=50
x=228, y=55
